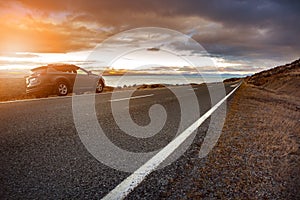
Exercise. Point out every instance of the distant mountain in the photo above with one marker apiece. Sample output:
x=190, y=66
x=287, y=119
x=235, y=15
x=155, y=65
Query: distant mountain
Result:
x=282, y=79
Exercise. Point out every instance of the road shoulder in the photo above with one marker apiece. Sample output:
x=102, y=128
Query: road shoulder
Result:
x=257, y=155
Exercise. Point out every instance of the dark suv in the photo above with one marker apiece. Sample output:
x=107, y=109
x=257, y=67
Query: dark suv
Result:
x=62, y=79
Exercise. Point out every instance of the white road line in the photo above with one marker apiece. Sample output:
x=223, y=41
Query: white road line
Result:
x=193, y=89
x=233, y=85
x=135, y=97
x=59, y=97
x=29, y=100
x=131, y=182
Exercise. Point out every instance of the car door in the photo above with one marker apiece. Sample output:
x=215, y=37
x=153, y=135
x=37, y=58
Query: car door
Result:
x=84, y=81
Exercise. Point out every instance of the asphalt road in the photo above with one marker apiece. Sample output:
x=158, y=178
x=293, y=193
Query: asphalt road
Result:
x=42, y=155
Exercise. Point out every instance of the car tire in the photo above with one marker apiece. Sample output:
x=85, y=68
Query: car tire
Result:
x=100, y=86
x=62, y=88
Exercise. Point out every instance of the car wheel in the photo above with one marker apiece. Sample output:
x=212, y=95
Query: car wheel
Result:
x=100, y=86
x=62, y=88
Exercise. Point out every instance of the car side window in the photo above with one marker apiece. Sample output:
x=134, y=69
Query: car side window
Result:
x=62, y=69
x=80, y=71
x=52, y=69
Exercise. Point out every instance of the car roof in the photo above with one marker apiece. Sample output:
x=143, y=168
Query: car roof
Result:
x=61, y=66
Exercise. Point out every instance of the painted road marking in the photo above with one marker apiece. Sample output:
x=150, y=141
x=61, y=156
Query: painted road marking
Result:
x=58, y=97
x=135, y=97
x=29, y=100
x=233, y=85
x=193, y=89
x=132, y=181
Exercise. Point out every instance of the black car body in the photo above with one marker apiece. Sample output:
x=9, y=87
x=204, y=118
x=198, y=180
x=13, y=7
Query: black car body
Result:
x=62, y=79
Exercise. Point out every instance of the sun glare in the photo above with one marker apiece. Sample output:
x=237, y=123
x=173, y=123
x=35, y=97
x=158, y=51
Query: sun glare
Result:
x=144, y=59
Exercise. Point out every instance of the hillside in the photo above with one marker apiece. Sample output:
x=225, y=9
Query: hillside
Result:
x=258, y=153
x=283, y=79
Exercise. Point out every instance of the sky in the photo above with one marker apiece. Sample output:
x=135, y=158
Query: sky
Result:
x=239, y=36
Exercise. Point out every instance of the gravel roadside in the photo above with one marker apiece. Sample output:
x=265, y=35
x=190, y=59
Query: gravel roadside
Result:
x=257, y=155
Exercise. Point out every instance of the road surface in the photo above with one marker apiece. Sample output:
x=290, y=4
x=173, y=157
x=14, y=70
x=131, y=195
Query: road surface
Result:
x=42, y=155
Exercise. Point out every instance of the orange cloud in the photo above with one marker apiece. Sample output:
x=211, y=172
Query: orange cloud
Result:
x=29, y=31
x=251, y=30
x=63, y=26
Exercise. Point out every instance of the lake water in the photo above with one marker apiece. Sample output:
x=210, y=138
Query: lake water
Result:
x=131, y=80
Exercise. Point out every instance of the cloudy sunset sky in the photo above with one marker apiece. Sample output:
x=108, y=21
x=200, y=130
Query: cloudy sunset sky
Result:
x=241, y=36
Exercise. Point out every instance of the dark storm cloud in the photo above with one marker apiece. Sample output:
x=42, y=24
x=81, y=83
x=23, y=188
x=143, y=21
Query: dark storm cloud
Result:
x=256, y=29
x=229, y=12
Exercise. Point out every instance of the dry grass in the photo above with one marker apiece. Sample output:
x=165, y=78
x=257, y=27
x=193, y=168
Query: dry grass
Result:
x=282, y=79
x=258, y=153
